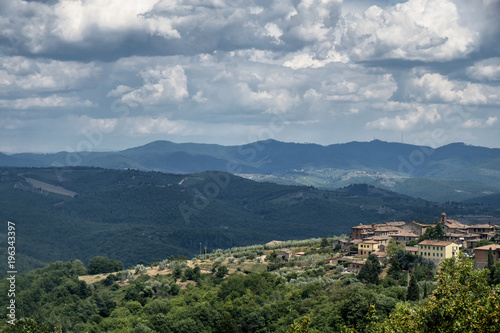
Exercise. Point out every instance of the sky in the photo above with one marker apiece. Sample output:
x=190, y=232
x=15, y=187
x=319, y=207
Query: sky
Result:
x=78, y=75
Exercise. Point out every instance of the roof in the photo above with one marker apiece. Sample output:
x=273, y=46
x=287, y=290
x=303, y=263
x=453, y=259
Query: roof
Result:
x=411, y=248
x=362, y=226
x=370, y=242
x=481, y=226
x=494, y=247
x=274, y=242
x=435, y=243
x=395, y=224
x=384, y=228
x=406, y=233
x=423, y=225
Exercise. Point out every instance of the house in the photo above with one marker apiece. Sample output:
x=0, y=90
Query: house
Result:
x=344, y=244
x=485, y=231
x=361, y=231
x=416, y=228
x=285, y=254
x=412, y=249
x=385, y=231
x=481, y=255
x=355, y=266
x=365, y=248
x=437, y=251
x=274, y=242
x=452, y=226
x=404, y=236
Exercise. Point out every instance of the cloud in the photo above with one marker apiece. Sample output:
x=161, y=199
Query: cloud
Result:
x=486, y=70
x=419, y=116
x=420, y=30
x=52, y=101
x=437, y=88
x=19, y=74
x=162, y=84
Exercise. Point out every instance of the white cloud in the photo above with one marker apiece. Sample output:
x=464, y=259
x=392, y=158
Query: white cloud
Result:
x=415, y=30
x=52, y=101
x=419, y=116
x=26, y=74
x=437, y=88
x=162, y=84
x=487, y=70
x=491, y=121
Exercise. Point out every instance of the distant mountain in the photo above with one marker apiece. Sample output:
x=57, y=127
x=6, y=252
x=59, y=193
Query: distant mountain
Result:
x=130, y=215
x=454, y=172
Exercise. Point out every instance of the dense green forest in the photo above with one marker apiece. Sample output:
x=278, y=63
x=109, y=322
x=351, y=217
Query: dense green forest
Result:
x=134, y=216
x=231, y=291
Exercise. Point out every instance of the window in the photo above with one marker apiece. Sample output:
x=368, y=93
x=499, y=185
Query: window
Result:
x=441, y=254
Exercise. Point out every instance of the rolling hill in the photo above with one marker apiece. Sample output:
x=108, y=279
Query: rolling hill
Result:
x=132, y=215
x=454, y=172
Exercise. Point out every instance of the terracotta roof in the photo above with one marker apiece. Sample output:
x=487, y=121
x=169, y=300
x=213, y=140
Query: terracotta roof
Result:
x=422, y=224
x=405, y=233
x=411, y=248
x=370, y=242
x=435, y=243
x=481, y=226
x=383, y=228
x=362, y=226
x=274, y=242
x=395, y=224
x=494, y=247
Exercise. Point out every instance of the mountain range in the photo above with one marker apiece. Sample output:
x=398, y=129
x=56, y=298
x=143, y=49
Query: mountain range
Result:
x=455, y=172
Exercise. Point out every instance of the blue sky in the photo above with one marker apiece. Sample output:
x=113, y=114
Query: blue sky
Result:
x=108, y=75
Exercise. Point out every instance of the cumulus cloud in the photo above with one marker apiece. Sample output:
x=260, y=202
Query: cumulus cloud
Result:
x=162, y=84
x=25, y=74
x=486, y=70
x=52, y=101
x=415, y=30
x=437, y=88
x=419, y=116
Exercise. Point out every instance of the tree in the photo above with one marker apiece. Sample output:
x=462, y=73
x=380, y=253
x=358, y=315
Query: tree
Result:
x=324, y=242
x=462, y=302
x=221, y=271
x=413, y=293
x=371, y=270
x=395, y=270
x=392, y=248
x=98, y=265
x=438, y=232
x=491, y=266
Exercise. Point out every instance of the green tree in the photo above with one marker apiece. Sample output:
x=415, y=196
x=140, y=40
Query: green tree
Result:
x=324, y=242
x=395, y=270
x=413, y=293
x=462, y=302
x=221, y=271
x=438, y=232
x=98, y=265
x=392, y=248
x=371, y=270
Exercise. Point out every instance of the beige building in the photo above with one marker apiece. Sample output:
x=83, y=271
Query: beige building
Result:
x=368, y=247
x=437, y=251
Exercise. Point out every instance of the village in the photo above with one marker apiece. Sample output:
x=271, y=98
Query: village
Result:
x=374, y=238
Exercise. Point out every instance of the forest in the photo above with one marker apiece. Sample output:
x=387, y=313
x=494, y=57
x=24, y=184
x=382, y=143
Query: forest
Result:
x=232, y=291
x=135, y=216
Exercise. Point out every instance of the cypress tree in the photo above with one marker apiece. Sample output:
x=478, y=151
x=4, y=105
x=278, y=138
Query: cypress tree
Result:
x=371, y=269
x=413, y=293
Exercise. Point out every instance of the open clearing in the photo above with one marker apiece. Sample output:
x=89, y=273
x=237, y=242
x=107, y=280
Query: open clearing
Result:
x=51, y=188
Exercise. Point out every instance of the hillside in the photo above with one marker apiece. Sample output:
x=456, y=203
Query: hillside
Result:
x=135, y=216
x=253, y=289
x=454, y=172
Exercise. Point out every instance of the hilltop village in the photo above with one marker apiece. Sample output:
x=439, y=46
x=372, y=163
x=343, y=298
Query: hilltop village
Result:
x=452, y=236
